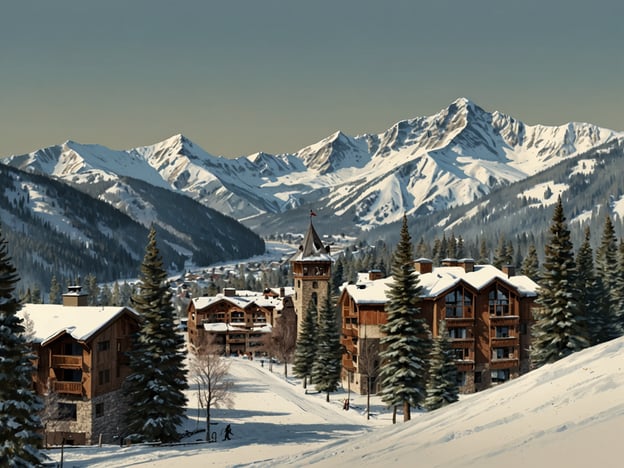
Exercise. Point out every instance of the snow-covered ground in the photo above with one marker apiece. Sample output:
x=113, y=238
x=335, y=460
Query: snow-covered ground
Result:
x=570, y=414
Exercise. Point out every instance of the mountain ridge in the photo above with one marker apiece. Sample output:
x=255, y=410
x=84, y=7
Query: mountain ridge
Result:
x=417, y=166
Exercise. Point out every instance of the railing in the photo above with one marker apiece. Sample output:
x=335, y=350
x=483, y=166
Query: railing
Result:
x=63, y=360
x=74, y=388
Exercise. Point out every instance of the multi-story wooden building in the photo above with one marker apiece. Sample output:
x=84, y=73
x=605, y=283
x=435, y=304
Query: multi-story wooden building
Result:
x=488, y=313
x=81, y=364
x=240, y=322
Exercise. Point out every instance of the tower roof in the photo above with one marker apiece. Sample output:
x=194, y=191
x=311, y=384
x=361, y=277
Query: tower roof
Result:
x=312, y=248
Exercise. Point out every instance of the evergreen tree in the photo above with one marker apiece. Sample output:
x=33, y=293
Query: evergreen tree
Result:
x=155, y=388
x=606, y=266
x=500, y=257
x=305, y=352
x=442, y=386
x=92, y=289
x=407, y=341
x=55, y=291
x=619, y=292
x=484, y=253
x=530, y=264
x=559, y=328
x=328, y=363
x=590, y=289
x=20, y=441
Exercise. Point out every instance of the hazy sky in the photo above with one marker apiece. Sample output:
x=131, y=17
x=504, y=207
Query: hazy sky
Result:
x=241, y=76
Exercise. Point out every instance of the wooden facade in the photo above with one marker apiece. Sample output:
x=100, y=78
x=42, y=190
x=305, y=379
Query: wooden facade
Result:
x=488, y=313
x=238, y=324
x=80, y=375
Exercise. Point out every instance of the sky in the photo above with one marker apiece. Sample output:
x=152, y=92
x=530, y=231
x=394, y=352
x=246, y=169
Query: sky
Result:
x=242, y=76
x=569, y=413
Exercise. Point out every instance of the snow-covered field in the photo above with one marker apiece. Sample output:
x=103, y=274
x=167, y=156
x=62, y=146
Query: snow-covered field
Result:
x=567, y=414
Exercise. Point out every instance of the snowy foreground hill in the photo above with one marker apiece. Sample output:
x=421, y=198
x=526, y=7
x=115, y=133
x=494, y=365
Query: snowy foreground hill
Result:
x=568, y=414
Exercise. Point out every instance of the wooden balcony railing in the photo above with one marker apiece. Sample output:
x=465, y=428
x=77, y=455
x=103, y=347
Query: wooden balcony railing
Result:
x=74, y=388
x=63, y=360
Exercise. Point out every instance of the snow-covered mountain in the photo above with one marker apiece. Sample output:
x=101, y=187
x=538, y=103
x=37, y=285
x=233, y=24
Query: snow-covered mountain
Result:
x=417, y=166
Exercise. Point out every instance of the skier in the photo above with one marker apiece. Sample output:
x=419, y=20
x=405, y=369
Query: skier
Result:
x=228, y=432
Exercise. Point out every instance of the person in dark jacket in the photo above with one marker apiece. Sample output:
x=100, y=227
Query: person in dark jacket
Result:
x=228, y=432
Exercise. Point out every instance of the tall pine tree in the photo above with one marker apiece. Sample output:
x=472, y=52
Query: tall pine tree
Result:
x=155, y=389
x=20, y=441
x=559, y=328
x=328, y=363
x=305, y=351
x=590, y=289
x=442, y=386
x=606, y=269
x=407, y=341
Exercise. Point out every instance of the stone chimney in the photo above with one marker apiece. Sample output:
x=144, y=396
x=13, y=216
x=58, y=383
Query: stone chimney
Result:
x=423, y=265
x=74, y=297
x=467, y=263
x=374, y=275
x=509, y=270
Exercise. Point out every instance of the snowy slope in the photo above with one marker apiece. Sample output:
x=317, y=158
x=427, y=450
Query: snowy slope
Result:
x=570, y=414
x=416, y=166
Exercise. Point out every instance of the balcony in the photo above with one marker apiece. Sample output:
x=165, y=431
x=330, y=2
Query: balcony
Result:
x=66, y=361
x=73, y=388
x=504, y=363
x=503, y=341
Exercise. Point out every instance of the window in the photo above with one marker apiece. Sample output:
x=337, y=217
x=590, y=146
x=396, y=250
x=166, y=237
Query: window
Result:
x=103, y=345
x=499, y=301
x=69, y=375
x=104, y=376
x=458, y=333
x=503, y=332
x=502, y=353
x=99, y=410
x=315, y=284
x=458, y=303
x=460, y=379
x=72, y=349
x=67, y=411
x=500, y=375
x=461, y=354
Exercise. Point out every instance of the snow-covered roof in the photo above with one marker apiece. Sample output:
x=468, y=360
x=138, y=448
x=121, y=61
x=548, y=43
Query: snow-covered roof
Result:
x=81, y=322
x=312, y=248
x=242, y=299
x=440, y=280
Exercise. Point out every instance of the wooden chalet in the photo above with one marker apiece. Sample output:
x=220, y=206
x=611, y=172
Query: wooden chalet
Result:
x=81, y=364
x=239, y=322
x=488, y=313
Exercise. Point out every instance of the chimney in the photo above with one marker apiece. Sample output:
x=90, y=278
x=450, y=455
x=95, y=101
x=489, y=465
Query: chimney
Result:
x=509, y=270
x=282, y=292
x=423, y=265
x=374, y=275
x=74, y=297
x=449, y=262
x=229, y=292
x=468, y=264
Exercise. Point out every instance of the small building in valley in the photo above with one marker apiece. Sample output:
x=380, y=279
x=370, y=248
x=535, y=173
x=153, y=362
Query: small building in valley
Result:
x=238, y=322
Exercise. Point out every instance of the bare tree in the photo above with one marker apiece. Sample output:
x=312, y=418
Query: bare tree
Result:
x=369, y=365
x=210, y=370
x=284, y=338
